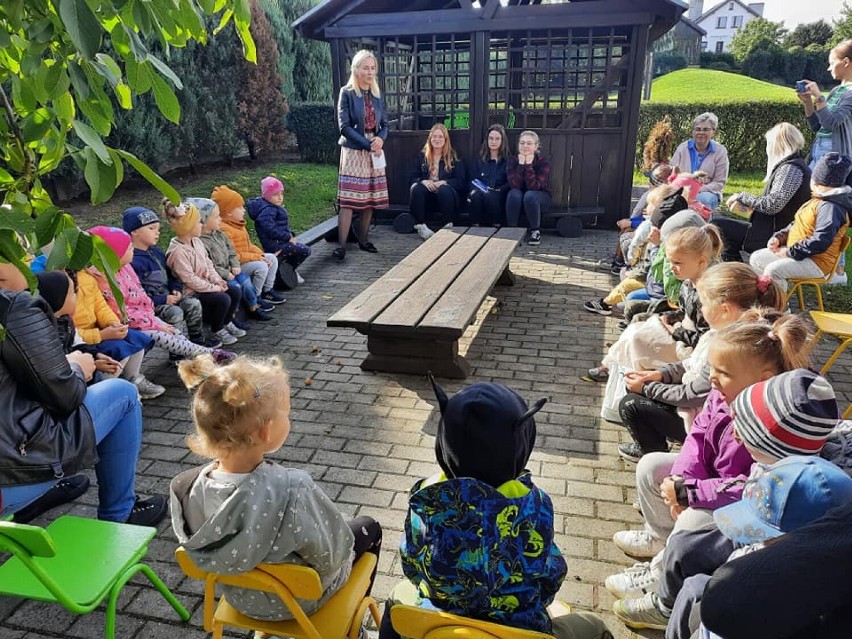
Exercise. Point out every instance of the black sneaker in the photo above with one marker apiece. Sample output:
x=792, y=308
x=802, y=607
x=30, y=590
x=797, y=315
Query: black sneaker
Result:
x=273, y=297
x=623, y=324
x=535, y=238
x=615, y=269
x=240, y=324
x=630, y=452
x=148, y=512
x=598, y=306
x=62, y=492
x=260, y=314
x=207, y=342
x=266, y=306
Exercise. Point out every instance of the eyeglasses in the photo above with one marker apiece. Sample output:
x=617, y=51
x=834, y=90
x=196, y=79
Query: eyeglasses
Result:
x=702, y=129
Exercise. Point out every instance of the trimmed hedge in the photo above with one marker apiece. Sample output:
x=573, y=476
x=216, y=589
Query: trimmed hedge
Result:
x=741, y=127
x=315, y=125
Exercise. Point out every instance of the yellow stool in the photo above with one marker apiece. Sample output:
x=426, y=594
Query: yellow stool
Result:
x=340, y=617
x=420, y=623
x=837, y=324
x=796, y=283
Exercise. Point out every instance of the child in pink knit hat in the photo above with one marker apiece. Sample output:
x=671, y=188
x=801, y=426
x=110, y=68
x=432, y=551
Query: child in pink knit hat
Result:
x=272, y=223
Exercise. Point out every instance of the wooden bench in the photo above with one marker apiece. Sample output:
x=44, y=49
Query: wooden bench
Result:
x=414, y=315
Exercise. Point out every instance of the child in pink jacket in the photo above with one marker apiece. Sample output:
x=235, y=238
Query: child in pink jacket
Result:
x=138, y=306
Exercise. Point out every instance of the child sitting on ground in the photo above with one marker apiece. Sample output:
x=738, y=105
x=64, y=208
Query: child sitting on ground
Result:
x=272, y=223
x=663, y=202
x=138, y=306
x=241, y=510
x=165, y=291
x=188, y=259
x=101, y=327
x=792, y=413
x=256, y=265
x=226, y=262
x=478, y=538
x=660, y=405
x=810, y=246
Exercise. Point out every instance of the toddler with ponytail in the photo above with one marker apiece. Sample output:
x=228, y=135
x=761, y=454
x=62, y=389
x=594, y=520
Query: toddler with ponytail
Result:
x=241, y=510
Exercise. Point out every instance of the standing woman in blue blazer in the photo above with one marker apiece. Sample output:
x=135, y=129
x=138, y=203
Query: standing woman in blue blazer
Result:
x=363, y=128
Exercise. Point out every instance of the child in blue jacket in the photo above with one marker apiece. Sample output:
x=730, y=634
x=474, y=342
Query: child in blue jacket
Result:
x=272, y=223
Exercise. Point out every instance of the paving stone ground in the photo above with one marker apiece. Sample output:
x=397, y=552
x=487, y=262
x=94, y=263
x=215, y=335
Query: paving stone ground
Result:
x=367, y=437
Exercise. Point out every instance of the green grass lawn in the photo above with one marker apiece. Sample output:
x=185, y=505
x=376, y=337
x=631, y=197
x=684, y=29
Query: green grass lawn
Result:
x=707, y=86
x=310, y=193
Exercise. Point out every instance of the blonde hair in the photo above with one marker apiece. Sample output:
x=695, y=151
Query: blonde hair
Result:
x=232, y=402
x=782, y=140
x=530, y=134
x=766, y=336
x=739, y=284
x=702, y=240
x=657, y=195
x=448, y=155
x=357, y=60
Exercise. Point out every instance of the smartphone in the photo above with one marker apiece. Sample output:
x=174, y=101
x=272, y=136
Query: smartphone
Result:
x=801, y=86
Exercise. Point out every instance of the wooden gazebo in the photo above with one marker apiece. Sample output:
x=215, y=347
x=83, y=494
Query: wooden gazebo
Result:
x=569, y=69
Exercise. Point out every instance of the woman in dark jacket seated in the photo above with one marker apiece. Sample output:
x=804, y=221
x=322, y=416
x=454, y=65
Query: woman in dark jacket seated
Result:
x=489, y=184
x=787, y=182
x=437, y=179
x=54, y=426
x=528, y=173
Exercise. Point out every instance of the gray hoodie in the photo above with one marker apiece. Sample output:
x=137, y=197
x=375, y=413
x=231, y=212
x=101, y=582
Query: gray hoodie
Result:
x=274, y=515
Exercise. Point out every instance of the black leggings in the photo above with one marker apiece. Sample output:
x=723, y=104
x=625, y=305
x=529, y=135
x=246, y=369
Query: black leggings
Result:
x=218, y=308
x=487, y=208
x=650, y=422
x=445, y=199
x=368, y=538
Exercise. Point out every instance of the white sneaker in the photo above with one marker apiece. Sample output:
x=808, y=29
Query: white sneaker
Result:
x=633, y=582
x=637, y=543
x=423, y=231
x=147, y=389
x=233, y=330
x=225, y=337
x=299, y=278
x=448, y=225
x=839, y=278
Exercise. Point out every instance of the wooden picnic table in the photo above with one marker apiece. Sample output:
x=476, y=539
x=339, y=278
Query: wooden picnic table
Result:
x=414, y=315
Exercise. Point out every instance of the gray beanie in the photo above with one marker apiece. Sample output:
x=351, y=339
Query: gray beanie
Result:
x=204, y=205
x=680, y=220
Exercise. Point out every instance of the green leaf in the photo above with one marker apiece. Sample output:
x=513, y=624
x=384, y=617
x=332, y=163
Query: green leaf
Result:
x=5, y=177
x=35, y=125
x=82, y=25
x=107, y=68
x=105, y=260
x=22, y=95
x=138, y=75
x=224, y=20
x=124, y=96
x=155, y=180
x=64, y=108
x=166, y=99
x=54, y=150
x=79, y=81
x=72, y=249
x=140, y=51
x=40, y=31
x=13, y=252
x=91, y=139
x=101, y=178
x=249, y=49
x=14, y=219
x=163, y=68
x=50, y=223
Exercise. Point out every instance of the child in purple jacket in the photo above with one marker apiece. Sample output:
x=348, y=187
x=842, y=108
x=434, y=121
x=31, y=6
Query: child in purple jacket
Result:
x=272, y=223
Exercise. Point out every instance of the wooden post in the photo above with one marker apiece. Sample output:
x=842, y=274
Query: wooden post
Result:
x=478, y=91
x=630, y=125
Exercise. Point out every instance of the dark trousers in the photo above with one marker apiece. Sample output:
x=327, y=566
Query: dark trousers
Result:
x=368, y=538
x=530, y=203
x=294, y=254
x=218, y=308
x=733, y=237
x=650, y=422
x=487, y=208
x=445, y=200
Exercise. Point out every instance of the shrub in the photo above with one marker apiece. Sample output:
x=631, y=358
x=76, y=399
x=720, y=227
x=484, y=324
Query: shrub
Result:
x=708, y=58
x=668, y=62
x=741, y=127
x=315, y=125
x=719, y=66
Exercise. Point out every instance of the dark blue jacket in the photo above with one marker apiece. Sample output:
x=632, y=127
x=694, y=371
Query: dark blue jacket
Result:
x=455, y=177
x=156, y=278
x=350, y=119
x=492, y=173
x=271, y=222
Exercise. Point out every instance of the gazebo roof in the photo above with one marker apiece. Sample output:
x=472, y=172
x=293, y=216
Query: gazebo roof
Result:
x=335, y=18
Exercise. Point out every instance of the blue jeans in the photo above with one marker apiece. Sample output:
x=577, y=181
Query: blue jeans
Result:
x=639, y=294
x=531, y=203
x=820, y=147
x=117, y=418
x=709, y=199
x=249, y=292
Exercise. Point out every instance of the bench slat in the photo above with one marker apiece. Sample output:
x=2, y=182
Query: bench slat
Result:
x=457, y=307
x=405, y=313
x=370, y=303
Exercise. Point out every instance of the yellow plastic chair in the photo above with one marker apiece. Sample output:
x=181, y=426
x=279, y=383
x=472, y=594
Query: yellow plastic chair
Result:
x=837, y=324
x=420, y=623
x=78, y=563
x=340, y=617
x=847, y=412
x=796, y=283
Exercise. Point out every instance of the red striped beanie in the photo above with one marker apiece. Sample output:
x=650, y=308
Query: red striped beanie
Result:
x=789, y=414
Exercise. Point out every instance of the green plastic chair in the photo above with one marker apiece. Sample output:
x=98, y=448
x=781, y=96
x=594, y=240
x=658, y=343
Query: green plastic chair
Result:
x=77, y=562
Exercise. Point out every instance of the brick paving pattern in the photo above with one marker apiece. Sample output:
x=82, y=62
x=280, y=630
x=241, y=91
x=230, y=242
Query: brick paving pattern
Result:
x=367, y=437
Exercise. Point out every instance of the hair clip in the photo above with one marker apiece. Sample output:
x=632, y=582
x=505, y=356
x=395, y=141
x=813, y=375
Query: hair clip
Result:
x=256, y=392
x=763, y=283
x=771, y=335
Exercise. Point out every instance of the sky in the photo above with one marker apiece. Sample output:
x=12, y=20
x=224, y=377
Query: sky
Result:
x=794, y=12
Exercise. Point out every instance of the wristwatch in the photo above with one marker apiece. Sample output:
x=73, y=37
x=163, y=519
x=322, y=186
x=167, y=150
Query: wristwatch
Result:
x=821, y=99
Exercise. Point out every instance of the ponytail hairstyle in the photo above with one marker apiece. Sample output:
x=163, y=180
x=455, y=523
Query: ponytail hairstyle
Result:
x=657, y=194
x=766, y=337
x=705, y=241
x=232, y=402
x=739, y=284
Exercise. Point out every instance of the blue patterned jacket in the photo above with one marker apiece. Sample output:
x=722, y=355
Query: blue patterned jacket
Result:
x=483, y=552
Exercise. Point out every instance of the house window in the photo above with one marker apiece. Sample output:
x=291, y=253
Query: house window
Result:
x=731, y=7
x=704, y=45
x=720, y=46
x=737, y=22
x=721, y=22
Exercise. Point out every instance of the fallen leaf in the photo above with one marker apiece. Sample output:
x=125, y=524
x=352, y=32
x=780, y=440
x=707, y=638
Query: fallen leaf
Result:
x=309, y=381
x=328, y=297
x=315, y=348
x=338, y=362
